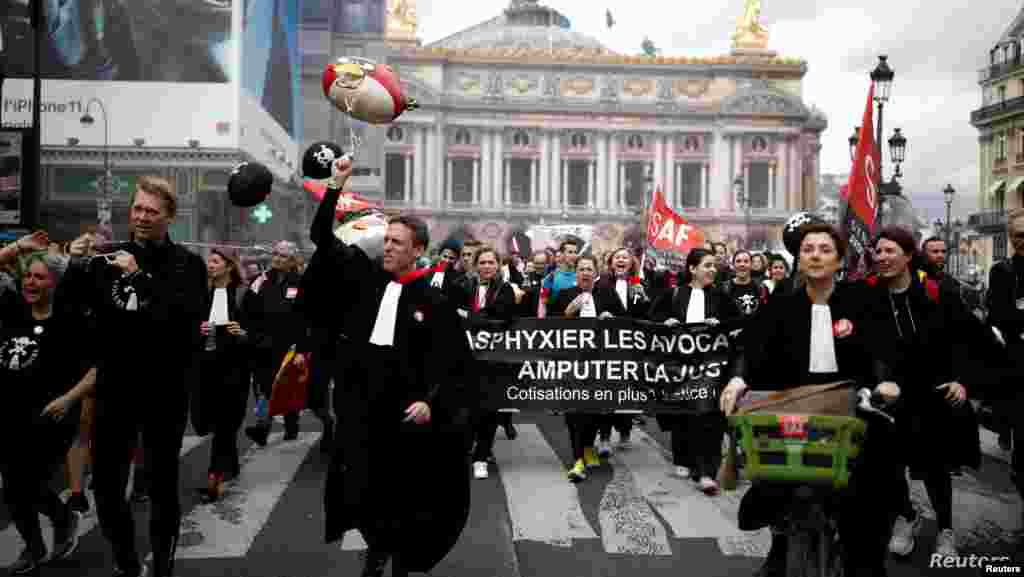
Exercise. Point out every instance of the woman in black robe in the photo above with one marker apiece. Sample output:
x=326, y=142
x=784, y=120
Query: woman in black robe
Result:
x=821, y=333
x=697, y=438
x=488, y=296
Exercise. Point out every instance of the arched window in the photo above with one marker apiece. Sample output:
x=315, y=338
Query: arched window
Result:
x=759, y=144
x=635, y=141
x=691, y=144
x=462, y=136
x=579, y=140
x=521, y=139
x=396, y=134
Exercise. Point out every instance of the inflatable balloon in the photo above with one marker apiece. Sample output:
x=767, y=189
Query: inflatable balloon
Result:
x=791, y=230
x=366, y=90
x=361, y=224
x=249, y=184
x=317, y=161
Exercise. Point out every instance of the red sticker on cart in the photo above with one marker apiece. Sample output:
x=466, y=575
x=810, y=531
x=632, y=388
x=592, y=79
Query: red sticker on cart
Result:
x=793, y=426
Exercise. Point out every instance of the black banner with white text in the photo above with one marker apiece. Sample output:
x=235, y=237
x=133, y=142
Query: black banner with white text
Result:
x=600, y=365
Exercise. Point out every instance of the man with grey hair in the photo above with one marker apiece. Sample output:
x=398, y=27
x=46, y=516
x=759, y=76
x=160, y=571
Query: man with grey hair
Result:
x=274, y=327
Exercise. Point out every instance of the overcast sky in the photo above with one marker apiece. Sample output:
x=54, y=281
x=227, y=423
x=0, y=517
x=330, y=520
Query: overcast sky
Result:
x=935, y=48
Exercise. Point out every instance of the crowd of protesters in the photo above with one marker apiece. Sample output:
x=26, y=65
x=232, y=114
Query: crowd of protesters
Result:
x=198, y=339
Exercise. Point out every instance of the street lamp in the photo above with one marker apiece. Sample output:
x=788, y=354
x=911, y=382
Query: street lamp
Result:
x=881, y=77
x=744, y=202
x=958, y=227
x=948, y=193
x=104, y=205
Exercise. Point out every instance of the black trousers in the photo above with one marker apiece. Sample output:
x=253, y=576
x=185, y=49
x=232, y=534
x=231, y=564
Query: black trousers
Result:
x=225, y=395
x=485, y=428
x=119, y=423
x=697, y=442
x=582, y=431
x=27, y=472
x=623, y=423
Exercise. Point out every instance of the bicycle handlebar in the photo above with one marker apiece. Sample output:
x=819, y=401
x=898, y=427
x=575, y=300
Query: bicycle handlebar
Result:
x=869, y=403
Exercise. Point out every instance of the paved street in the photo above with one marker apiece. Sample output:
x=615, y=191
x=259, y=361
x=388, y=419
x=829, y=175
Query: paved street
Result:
x=629, y=518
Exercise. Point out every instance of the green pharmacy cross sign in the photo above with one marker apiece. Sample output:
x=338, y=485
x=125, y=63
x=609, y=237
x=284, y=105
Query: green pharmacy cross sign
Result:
x=262, y=214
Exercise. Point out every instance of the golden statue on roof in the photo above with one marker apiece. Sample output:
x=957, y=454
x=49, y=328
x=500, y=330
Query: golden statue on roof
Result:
x=750, y=33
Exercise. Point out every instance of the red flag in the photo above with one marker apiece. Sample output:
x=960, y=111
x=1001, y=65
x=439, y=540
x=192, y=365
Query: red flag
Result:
x=862, y=186
x=670, y=232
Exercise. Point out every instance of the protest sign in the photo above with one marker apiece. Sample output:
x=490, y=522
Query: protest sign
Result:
x=600, y=365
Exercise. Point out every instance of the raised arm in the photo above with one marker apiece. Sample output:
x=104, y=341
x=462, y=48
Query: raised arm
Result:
x=322, y=231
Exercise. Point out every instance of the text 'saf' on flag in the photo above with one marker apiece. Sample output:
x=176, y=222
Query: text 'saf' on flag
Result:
x=861, y=206
x=670, y=236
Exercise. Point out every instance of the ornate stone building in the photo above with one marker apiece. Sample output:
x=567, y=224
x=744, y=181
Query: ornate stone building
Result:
x=1000, y=146
x=523, y=120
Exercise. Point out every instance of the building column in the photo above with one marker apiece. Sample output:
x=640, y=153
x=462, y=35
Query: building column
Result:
x=703, y=196
x=507, y=169
x=565, y=184
x=430, y=162
x=746, y=181
x=601, y=201
x=738, y=168
x=590, y=182
x=556, y=170
x=407, y=191
x=418, y=164
x=441, y=155
x=622, y=186
x=771, y=185
x=498, y=191
x=483, y=137
x=673, y=196
x=659, y=163
x=476, y=181
x=449, y=185
x=782, y=195
x=534, y=182
x=544, y=174
x=613, y=173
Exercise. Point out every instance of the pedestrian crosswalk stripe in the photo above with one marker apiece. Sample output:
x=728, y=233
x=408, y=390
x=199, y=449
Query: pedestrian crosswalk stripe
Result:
x=542, y=504
x=11, y=543
x=628, y=525
x=228, y=527
x=688, y=512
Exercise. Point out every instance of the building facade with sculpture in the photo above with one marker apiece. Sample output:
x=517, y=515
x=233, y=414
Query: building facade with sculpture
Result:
x=524, y=121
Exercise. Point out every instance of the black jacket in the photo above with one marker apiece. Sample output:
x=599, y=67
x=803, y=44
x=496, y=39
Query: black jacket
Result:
x=673, y=303
x=637, y=300
x=1005, y=289
x=500, y=300
x=778, y=344
x=149, y=321
x=272, y=315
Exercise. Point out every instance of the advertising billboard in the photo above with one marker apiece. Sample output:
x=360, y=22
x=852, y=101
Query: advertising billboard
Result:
x=122, y=40
x=161, y=114
x=270, y=101
x=154, y=73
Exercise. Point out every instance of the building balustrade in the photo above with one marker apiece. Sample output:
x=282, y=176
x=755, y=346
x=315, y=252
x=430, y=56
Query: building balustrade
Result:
x=985, y=113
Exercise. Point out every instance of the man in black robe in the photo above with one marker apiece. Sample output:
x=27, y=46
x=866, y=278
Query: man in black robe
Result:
x=399, y=472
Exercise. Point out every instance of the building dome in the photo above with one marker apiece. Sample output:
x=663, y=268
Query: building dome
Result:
x=524, y=25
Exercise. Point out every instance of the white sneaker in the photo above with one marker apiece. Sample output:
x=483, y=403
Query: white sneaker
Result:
x=604, y=449
x=480, y=470
x=682, y=472
x=945, y=544
x=904, y=536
